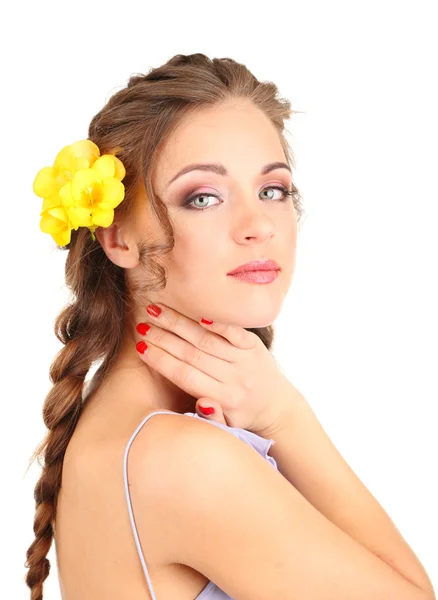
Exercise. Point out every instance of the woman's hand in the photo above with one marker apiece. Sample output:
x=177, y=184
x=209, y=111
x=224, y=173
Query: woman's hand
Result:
x=224, y=366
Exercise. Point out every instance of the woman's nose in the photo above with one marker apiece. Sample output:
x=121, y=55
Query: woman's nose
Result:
x=252, y=223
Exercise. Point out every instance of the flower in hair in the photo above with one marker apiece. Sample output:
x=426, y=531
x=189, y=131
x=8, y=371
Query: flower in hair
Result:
x=81, y=189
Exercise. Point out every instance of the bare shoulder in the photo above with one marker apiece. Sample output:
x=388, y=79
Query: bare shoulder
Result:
x=231, y=516
x=170, y=448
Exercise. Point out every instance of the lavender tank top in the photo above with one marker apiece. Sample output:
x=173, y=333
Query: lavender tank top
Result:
x=260, y=445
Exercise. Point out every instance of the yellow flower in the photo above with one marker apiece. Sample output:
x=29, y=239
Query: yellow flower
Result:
x=82, y=189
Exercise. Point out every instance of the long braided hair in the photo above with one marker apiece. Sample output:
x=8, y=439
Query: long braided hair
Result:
x=133, y=125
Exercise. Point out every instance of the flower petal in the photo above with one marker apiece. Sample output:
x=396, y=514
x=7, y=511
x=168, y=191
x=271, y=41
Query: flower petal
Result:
x=66, y=195
x=63, y=176
x=44, y=184
x=79, y=155
x=120, y=169
x=50, y=203
x=63, y=238
x=59, y=212
x=103, y=218
x=85, y=149
x=113, y=192
x=79, y=216
x=65, y=160
x=51, y=223
x=83, y=183
x=105, y=166
x=81, y=163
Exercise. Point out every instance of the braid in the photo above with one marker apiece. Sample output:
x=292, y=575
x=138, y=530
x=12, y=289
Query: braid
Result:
x=88, y=329
x=63, y=419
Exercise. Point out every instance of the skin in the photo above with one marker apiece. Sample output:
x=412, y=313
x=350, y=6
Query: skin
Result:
x=244, y=224
x=92, y=524
x=96, y=553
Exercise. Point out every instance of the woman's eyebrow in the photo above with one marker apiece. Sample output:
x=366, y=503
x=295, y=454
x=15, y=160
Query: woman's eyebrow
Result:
x=221, y=170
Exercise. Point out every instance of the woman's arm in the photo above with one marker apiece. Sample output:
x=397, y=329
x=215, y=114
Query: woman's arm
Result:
x=227, y=513
x=306, y=456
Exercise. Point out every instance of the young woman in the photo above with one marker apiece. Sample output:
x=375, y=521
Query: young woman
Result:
x=145, y=493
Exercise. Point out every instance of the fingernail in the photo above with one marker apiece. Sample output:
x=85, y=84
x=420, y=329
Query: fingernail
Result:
x=153, y=310
x=206, y=321
x=143, y=328
x=206, y=410
x=141, y=346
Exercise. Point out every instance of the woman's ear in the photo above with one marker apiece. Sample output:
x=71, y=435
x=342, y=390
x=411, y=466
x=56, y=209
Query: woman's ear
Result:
x=119, y=247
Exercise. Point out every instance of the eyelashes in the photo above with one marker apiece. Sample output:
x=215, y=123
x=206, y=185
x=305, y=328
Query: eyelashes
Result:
x=286, y=195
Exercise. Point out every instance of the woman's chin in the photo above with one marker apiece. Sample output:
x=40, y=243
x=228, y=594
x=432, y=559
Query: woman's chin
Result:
x=255, y=321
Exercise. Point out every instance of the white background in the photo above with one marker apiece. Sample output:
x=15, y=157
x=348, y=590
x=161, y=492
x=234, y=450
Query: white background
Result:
x=358, y=332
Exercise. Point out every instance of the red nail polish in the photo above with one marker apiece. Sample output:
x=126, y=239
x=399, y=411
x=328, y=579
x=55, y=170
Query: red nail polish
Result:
x=206, y=410
x=153, y=310
x=141, y=346
x=143, y=328
x=206, y=321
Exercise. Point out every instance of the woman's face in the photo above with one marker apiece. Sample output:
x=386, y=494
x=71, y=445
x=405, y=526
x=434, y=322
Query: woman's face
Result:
x=238, y=217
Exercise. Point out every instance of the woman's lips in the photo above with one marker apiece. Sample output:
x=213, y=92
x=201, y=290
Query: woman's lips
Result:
x=256, y=276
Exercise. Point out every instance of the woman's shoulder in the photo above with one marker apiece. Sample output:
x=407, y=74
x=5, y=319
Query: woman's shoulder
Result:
x=164, y=438
x=199, y=482
x=180, y=452
x=186, y=455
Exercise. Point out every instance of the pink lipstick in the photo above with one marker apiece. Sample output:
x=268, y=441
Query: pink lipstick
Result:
x=256, y=271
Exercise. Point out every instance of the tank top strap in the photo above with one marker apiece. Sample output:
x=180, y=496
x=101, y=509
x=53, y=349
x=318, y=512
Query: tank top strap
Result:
x=128, y=496
x=259, y=444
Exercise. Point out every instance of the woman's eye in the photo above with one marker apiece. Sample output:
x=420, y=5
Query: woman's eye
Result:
x=201, y=197
x=285, y=192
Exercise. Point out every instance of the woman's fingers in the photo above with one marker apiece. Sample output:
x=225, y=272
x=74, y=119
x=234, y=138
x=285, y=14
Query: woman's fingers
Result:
x=217, y=339
x=185, y=376
x=236, y=335
x=198, y=357
x=192, y=332
x=211, y=410
x=215, y=367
